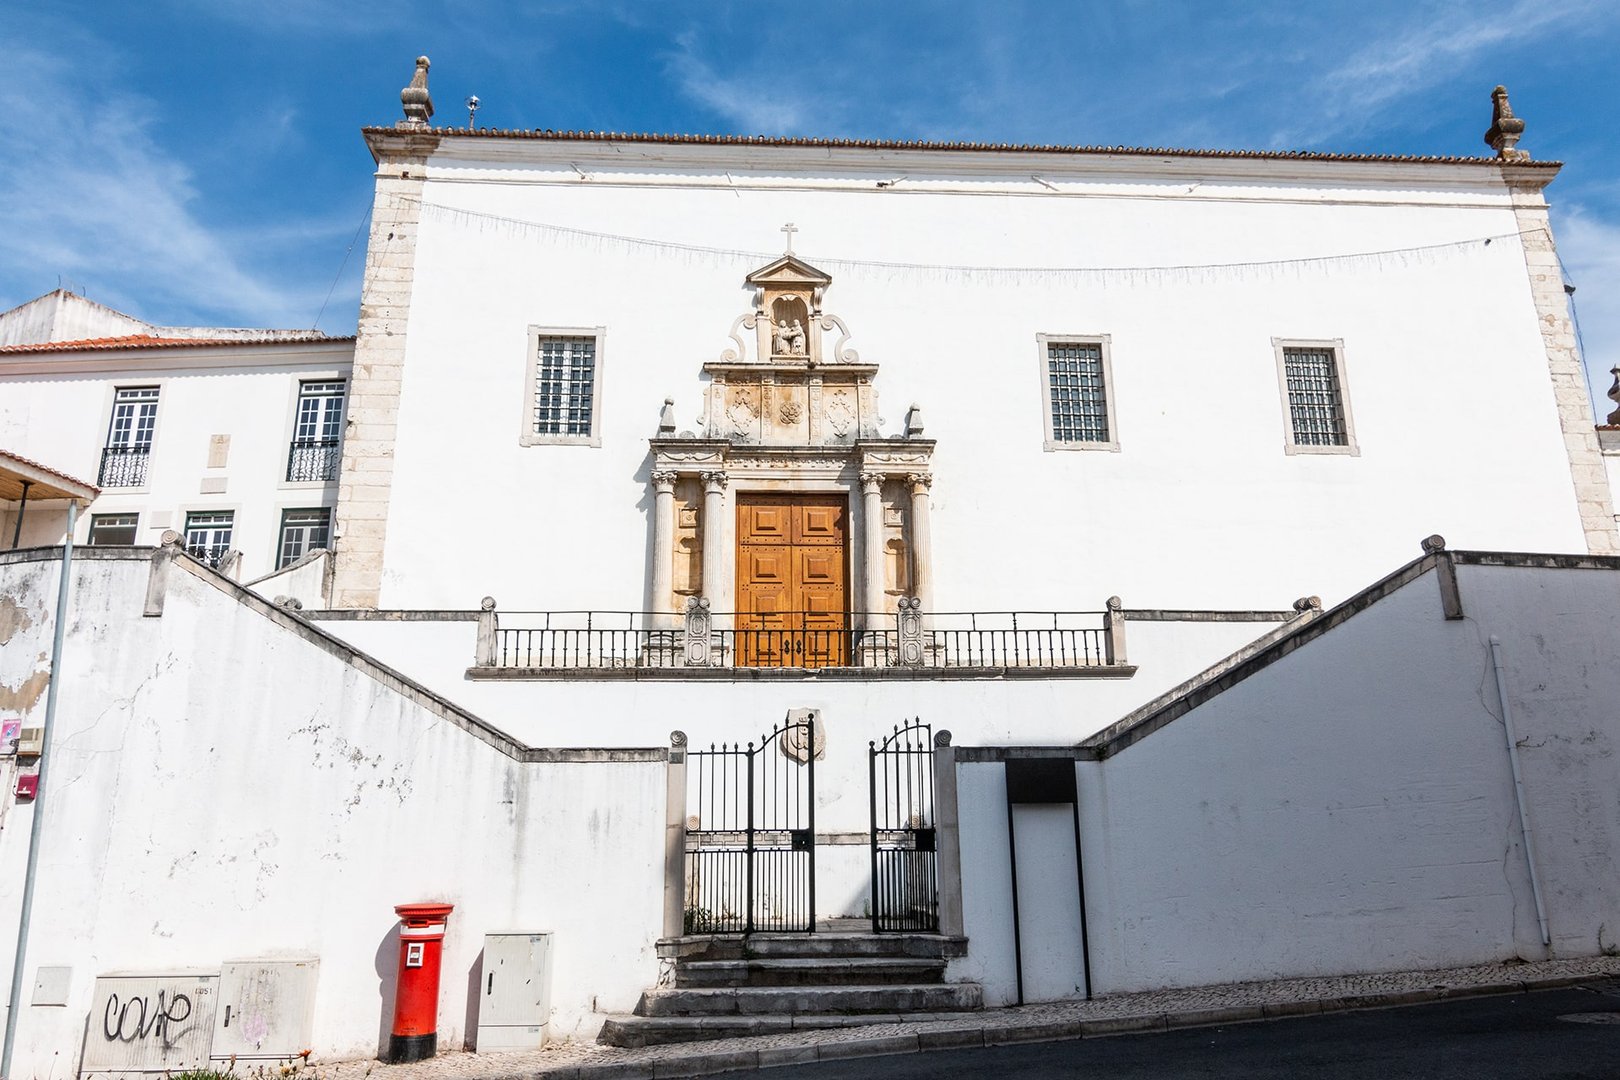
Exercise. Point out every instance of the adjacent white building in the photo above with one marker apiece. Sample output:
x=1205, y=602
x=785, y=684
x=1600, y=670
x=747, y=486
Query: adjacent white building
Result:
x=230, y=437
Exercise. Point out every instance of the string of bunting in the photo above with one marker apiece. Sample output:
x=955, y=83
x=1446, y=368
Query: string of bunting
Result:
x=696, y=254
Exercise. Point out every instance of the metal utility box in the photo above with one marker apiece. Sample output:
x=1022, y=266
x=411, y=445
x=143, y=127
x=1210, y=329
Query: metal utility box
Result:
x=150, y=1023
x=514, y=1001
x=266, y=1008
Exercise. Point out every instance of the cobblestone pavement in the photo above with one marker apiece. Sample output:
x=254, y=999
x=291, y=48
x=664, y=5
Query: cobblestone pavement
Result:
x=1154, y=1011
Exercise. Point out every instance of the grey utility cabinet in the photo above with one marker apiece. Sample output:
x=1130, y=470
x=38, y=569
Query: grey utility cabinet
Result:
x=514, y=1005
x=266, y=1007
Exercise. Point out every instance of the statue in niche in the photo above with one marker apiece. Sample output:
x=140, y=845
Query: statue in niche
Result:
x=788, y=340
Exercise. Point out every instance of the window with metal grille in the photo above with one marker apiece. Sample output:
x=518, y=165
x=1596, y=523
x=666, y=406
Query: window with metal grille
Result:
x=208, y=535
x=303, y=531
x=129, y=437
x=317, y=431
x=563, y=392
x=563, y=386
x=1075, y=385
x=1311, y=374
x=109, y=529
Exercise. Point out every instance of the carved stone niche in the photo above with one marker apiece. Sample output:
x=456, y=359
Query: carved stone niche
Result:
x=784, y=385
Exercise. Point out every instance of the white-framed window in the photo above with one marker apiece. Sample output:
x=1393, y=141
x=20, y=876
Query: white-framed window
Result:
x=1310, y=376
x=113, y=529
x=303, y=531
x=1077, y=392
x=208, y=534
x=315, y=452
x=129, y=437
x=562, y=401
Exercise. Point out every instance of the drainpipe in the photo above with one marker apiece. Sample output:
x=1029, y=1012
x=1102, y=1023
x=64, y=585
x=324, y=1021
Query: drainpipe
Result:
x=1518, y=787
x=22, y=504
x=40, y=794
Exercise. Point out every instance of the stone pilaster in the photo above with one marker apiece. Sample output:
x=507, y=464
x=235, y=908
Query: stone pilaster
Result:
x=1593, y=499
x=663, y=553
x=379, y=366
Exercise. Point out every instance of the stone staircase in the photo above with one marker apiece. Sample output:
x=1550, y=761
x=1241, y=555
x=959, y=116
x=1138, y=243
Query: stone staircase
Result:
x=724, y=987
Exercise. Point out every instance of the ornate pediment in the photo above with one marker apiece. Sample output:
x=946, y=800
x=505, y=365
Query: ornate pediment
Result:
x=788, y=272
x=790, y=382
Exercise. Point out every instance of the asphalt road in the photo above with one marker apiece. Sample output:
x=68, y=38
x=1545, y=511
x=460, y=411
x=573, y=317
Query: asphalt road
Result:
x=1486, y=1038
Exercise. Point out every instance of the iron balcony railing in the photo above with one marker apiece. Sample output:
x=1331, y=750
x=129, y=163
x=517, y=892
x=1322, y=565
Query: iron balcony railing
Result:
x=123, y=466
x=313, y=459
x=701, y=638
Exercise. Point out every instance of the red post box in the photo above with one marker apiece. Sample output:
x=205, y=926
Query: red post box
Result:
x=415, y=1034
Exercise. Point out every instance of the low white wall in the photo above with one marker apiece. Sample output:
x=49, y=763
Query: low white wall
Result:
x=222, y=787
x=1350, y=808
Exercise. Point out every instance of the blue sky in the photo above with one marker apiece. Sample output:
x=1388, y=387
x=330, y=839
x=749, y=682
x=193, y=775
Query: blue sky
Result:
x=199, y=161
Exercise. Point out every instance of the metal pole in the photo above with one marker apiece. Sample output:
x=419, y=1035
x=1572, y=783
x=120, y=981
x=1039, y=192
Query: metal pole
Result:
x=1518, y=787
x=22, y=504
x=14, y=1002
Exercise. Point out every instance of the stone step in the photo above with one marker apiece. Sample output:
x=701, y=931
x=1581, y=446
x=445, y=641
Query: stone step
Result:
x=789, y=1000
x=832, y=946
x=810, y=971
x=634, y=1031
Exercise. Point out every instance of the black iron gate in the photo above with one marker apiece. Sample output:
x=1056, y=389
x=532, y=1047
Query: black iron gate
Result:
x=905, y=868
x=750, y=837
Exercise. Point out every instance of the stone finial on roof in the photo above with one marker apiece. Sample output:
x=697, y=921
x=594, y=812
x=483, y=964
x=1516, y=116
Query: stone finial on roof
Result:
x=1614, y=396
x=417, y=101
x=1503, y=137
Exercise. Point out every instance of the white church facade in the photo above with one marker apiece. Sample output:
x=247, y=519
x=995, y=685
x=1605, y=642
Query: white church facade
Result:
x=1086, y=484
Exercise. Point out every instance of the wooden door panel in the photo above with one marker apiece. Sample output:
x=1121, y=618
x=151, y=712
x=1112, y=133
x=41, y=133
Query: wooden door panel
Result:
x=791, y=595
x=765, y=523
x=820, y=567
x=767, y=567
x=819, y=523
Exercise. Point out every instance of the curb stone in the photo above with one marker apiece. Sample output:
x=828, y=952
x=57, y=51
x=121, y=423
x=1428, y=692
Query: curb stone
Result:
x=709, y=1062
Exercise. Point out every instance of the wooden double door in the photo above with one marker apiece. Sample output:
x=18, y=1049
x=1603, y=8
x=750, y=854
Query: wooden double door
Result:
x=792, y=594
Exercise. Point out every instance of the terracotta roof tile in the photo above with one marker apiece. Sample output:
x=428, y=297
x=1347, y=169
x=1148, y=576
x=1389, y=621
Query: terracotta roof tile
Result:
x=148, y=341
x=8, y=456
x=919, y=144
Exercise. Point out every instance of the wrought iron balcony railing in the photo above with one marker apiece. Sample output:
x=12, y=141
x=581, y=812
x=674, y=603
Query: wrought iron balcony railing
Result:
x=123, y=467
x=313, y=459
x=701, y=638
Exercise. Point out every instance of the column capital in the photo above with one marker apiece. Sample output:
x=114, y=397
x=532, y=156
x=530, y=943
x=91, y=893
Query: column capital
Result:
x=920, y=482
x=664, y=479
x=872, y=482
x=715, y=482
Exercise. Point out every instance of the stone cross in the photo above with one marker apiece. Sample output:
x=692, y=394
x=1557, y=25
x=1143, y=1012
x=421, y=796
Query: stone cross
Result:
x=789, y=229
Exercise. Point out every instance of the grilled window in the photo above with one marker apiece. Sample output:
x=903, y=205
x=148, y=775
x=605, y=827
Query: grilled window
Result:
x=563, y=391
x=108, y=529
x=1075, y=387
x=317, y=431
x=208, y=535
x=1311, y=374
x=129, y=437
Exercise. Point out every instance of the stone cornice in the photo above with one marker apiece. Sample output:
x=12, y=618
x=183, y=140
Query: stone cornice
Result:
x=520, y=160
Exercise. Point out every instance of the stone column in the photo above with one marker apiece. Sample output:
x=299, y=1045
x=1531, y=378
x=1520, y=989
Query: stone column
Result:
x=872, y=531
x=947, y=837
x=714, y=509
x=922, y=570
x=675, y=837
x=663, y=541
x=488, y=626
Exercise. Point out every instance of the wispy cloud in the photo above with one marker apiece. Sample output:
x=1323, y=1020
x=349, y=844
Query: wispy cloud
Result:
x=91, y=194
x=1590, y=249
x=1411, y=55
x=746, y=98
